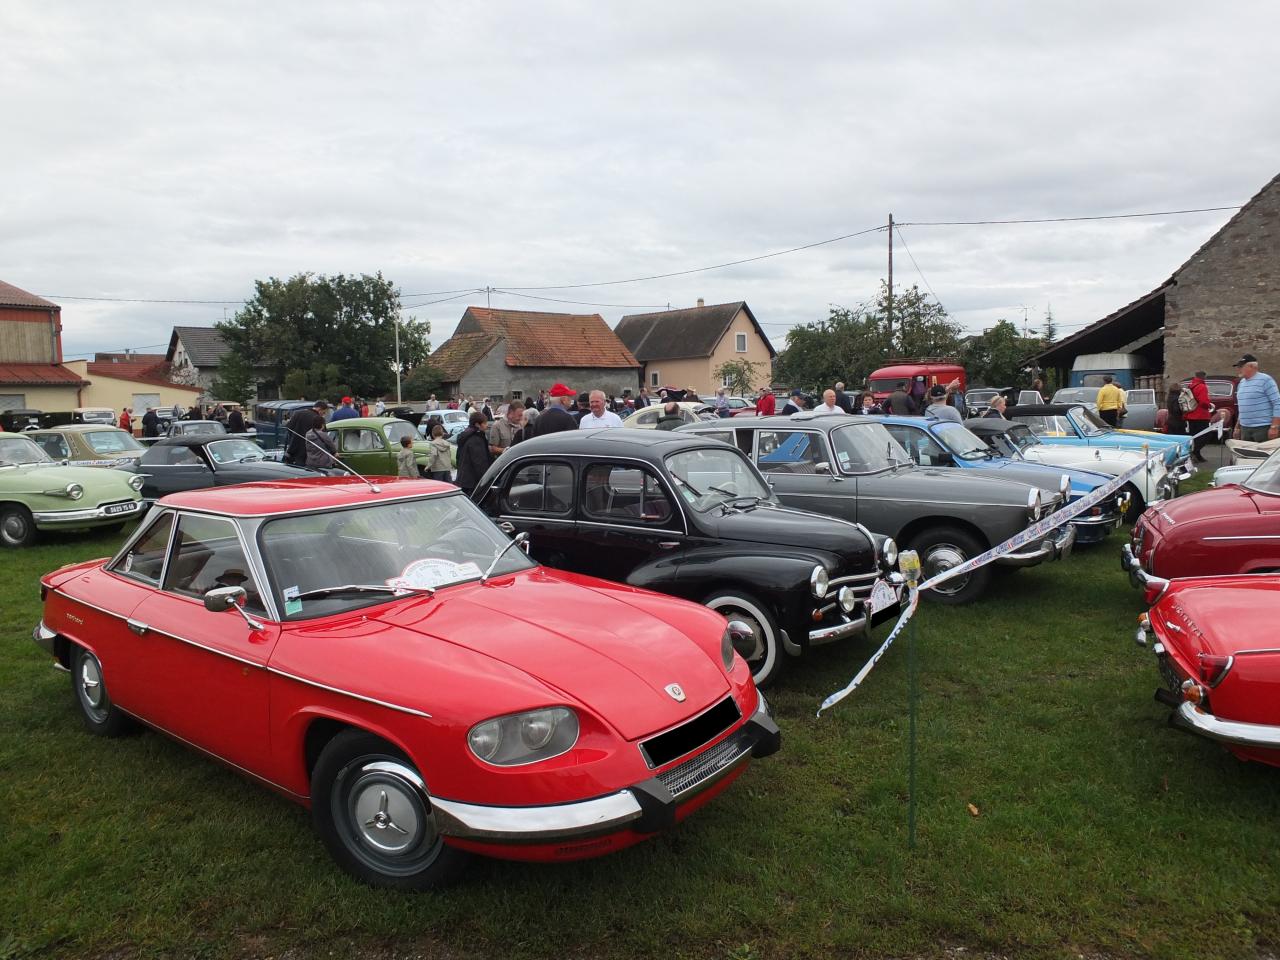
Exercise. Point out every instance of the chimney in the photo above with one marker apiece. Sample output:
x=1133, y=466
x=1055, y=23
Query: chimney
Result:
x=701, y=303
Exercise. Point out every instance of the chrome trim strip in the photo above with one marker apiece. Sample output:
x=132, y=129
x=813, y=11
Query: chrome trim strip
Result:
x=420, y=495
x=837, y=632
x=1260, y=536
x=558, y=821
x=89, y=513
x=1196, y=720
x=347, y=693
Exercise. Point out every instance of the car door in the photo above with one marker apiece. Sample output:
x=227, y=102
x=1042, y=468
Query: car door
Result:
x=205, y=672
x=798, y=465
x=364, y=449
x=626, y=517
x=536, y=497
x=923, y=448
x=169, y=468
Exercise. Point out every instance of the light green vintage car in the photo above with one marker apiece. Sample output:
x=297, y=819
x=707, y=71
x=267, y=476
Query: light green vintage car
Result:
x=369, y=445
x=38, y=494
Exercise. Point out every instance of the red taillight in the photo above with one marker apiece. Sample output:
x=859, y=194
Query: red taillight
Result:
x=1213, y=668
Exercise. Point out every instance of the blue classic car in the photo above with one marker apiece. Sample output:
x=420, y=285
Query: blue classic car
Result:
x=1076, y=426
x=942, y=443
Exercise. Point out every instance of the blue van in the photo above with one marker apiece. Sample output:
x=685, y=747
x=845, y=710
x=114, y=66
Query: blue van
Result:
x=270, y=417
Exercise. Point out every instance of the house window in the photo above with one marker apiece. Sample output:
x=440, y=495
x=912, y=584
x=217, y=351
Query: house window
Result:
x=517, y=395
x=724, y=381
x=13, y=401
x=654, y=378
x=740, y=342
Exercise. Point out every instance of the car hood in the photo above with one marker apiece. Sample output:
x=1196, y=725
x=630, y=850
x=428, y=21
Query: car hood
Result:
x=37, y=478
x=1046, y=476
x=1205, y=505
x=784, y=527
x=589, y=641
x=1222, y=615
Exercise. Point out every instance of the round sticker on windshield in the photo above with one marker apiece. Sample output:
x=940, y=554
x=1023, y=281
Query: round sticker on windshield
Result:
x=432, y=572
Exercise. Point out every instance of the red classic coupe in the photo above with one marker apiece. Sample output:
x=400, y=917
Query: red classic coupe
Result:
x=381, y=654
x=1231, y=529
x=1214, y=638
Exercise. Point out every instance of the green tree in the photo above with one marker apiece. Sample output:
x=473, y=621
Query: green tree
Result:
x=236, y=379
x=422, y=381
x=998, y=357
x=318, y=336
x=742, y=377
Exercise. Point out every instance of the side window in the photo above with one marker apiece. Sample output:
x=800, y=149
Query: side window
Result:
x=207, y=555
x=724, y=436
x=625, y=495
x=790, y=451
x=924, y=450
x=172, y=455
x=145, y=559
x=647, y=417
x=358, y=441
x=55, y=445
x=545, y=488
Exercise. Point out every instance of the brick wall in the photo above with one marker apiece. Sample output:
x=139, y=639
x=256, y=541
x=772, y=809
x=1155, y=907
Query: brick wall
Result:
x=1225, y=301
x=492, y=377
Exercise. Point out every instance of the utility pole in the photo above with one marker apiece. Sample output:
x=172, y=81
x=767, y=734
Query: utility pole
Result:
x=889, y=307
x=398, y=397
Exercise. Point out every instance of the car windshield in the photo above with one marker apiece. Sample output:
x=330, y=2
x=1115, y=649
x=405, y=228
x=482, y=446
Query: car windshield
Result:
x=400, y=428
x=885, y=386
x=1144, y=397
x=234, y=451
x=961, y=442
x=1001, y=444
x=382, y=549
x=981, y=395
x=1266, y=479
x=866, y=448
x=111, y=441
x=21, y=450
x=1076, y=395
x=709, y=477
x=454, y=416
x=1090, y=424
x=201, y=426
x=98, y=416
x=1053, y=425
x=1020, y=436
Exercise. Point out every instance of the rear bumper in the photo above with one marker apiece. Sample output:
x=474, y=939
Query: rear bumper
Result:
x=44, y=638
x=1193, y=719
x=89, y=515
x=647, y=807
x=1056, y=547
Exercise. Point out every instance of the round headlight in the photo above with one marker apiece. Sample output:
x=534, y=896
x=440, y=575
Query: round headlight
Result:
x=848, y=600
x=819, y=580
x=75, y=491
x=536, y=729
x=889, y=554
x=1033, y=504
x=136, y=481
x=485, y=739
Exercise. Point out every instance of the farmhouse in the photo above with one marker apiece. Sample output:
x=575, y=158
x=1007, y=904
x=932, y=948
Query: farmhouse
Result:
x=32, y=375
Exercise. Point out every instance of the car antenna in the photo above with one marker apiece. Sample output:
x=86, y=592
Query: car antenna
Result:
x=372, y=486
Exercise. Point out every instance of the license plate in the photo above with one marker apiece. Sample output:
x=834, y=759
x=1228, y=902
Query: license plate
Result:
x=115, y=508
x=883, y=596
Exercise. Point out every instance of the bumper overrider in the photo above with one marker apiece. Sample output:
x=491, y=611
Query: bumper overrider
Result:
x=1057, y=546
x=107, y=512
x=860, y=619
x=647, y=807
x=1138, y=577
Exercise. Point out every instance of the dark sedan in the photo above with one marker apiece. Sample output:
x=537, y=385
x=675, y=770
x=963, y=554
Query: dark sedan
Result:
x=208, y=460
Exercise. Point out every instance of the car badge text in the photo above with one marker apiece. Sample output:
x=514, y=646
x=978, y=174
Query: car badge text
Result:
x=675, y=691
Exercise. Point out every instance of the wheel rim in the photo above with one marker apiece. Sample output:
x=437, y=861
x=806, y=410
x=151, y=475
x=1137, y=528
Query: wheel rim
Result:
x=941, y=558
x=751, y=649
x=14, y=527
x=384, y=816
x=92, y=691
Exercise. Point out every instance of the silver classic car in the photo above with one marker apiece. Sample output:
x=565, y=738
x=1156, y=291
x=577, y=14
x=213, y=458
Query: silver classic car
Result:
x=851, y=468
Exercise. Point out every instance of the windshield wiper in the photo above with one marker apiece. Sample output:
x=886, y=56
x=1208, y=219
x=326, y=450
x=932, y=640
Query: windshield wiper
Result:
x=687, y=485
x=361, y=588
x=518, y=538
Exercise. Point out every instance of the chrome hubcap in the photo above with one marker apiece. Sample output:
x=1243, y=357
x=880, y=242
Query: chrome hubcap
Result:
x=388, y=813
x=749, y=648
x=14, y=528
x=941, y=558
x=91, y=690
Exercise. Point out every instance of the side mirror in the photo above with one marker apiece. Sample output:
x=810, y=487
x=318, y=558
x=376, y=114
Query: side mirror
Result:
x=823, y=467
x=522, y=540
x=224, y=598
x=944, y=459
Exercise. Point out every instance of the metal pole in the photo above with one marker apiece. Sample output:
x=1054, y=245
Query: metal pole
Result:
x=913, y=694
x=889, y=308
x=398, y=399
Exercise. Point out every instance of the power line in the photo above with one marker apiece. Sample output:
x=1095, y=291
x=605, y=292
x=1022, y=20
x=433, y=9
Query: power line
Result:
x=464, y=293
x=57, y=296
x=586, y=303
x=912, y=258
x=1110, y=216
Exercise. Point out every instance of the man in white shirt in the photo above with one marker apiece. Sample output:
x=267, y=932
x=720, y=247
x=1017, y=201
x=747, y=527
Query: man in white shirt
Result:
x=599, y=417
x=828, y=406
x=379, y=408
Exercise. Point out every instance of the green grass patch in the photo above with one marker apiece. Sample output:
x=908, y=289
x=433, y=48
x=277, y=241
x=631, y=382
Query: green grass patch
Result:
x=1099, y=830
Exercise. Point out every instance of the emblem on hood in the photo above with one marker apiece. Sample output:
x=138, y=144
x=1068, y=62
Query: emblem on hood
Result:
x=675, y=692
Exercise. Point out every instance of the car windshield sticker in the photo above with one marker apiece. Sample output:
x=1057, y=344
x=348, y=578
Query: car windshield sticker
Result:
x=432, y=572
x=843, y=457
x=292, y=604
x=128, y=563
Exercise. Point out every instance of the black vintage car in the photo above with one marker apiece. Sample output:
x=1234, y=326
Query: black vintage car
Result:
x=691, y=517
x=209, y=460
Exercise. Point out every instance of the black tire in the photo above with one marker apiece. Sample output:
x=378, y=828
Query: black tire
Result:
x=942, y=548
x=372, y=810
x=101, y=716
x=17, y=528
x=1136, y=504
x=766, y=656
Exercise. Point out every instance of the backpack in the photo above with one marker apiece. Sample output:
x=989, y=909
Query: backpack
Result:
x=1187, y=400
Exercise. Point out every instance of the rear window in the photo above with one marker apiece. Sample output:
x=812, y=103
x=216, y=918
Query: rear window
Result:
x=111, y=441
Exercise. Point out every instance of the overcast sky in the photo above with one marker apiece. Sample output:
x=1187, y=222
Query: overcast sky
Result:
x=169, y=151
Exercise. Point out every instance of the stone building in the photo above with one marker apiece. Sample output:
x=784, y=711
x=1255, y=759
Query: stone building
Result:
x=512, y=354
x=194, y=355
x=1224, y=301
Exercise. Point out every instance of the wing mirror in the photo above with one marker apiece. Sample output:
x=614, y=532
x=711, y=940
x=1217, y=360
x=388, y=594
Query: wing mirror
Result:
x=221, y=599
x=822, y=467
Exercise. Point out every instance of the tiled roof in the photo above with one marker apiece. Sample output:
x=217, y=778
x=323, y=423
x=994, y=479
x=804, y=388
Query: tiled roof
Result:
x=550, y=339
x=151, y=371
x=11, y=296
x=679, y=334
x=460, y=353
x=38, y=375
x=204, y=345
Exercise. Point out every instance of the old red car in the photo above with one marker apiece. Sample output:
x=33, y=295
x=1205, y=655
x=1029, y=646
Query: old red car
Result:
x=381, y=654
x=1215, y=641
x=1231, y=529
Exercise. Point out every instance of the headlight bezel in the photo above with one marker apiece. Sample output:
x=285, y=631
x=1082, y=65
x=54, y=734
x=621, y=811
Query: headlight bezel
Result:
x=889, y=554
x=511, y=745
x=819, y=582
x=136, y=482
x=847, y=599
x=1035, y=506
x=1064, y=488
x=74, y=490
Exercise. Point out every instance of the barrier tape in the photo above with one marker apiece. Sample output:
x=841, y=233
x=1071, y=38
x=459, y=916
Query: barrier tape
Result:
x=1034, y=533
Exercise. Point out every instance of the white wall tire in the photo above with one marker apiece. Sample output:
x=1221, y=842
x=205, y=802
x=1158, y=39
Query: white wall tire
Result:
x=766, y=658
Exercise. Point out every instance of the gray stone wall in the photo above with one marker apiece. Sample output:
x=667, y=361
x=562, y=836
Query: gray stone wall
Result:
x=492, y=377
x=1226, y=300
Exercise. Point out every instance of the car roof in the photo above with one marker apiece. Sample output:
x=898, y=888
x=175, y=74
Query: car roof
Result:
x=199, y=439
x=79, y=428
x=795, y=421
x=991, y=425
x=291, y=496
x=1040, y=409
x=364, y=422
x=618, y=442
x=8, y=435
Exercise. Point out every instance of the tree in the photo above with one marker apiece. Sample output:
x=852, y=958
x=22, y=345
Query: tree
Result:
x=742, y=377
x=1050, y=331
x=236, y=379
x=998, y=357
x=422, y=381
x=323, y=337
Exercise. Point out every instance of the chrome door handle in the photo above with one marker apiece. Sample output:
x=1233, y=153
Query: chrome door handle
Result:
x=137, y=626
x=669, y=544
x=507, y=527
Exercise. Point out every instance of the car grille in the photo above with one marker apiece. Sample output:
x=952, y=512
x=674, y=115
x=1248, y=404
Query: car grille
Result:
x=861, y=584
x=689, y=736
x=690, y=774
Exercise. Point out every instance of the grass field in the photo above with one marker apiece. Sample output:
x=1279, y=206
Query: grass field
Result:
x=1098, y=830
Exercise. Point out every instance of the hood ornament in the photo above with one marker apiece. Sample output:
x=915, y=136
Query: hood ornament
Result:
x=675, y=692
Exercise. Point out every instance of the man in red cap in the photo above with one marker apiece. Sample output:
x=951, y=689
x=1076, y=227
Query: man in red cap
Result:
x=344, y=412
x=557, y=416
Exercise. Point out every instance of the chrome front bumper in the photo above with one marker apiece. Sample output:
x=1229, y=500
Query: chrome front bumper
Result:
x=88, y=515
x=1055, y=547
x=1195, y=720
x=647, y=807
x=44, y=638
